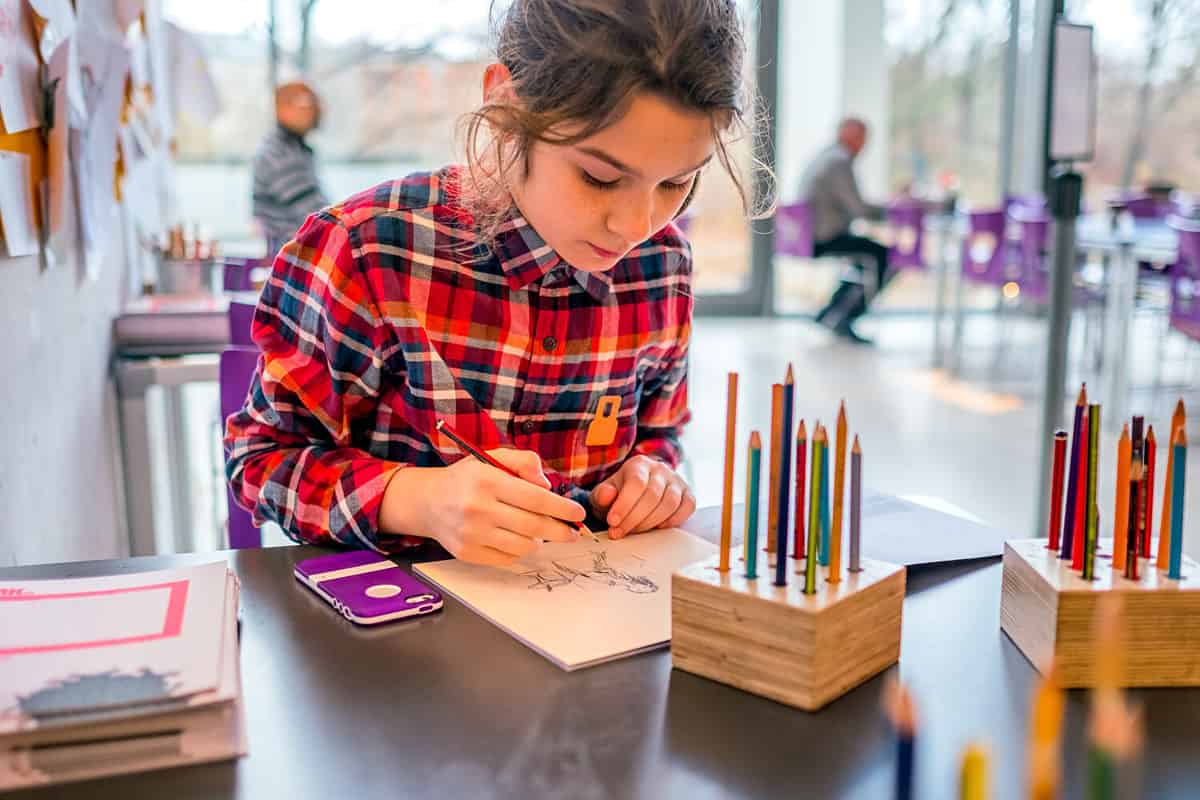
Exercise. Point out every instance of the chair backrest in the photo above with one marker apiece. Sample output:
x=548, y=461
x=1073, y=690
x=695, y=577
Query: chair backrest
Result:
x=907, y=220
x=793, y=230
x=1189, y=245
x=1140, y=205
x=1035, y=237
x=238, y=273
x=234, y=375
x=984, y=255
x=241, y=315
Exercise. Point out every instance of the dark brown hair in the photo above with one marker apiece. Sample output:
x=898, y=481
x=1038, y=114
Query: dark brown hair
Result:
x=580, y=62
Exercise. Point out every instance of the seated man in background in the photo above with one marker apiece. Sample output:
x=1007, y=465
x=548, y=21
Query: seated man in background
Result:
x=830, y=189
x=286, y=188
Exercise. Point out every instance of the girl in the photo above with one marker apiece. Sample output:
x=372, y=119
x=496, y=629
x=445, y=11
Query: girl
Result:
x=538, y=299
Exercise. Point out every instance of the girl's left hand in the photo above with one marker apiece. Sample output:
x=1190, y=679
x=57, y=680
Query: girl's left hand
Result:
x=643, y=495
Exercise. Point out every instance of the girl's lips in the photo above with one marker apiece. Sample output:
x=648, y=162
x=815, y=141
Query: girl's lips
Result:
x=600, y=251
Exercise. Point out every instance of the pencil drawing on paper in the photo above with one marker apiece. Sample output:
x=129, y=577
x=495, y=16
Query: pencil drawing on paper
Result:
x=558, y=574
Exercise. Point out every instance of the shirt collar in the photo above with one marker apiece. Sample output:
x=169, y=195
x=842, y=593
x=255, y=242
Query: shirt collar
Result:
x=525, y=258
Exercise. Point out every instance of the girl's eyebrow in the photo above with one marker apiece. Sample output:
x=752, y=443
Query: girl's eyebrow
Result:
x=628, y=170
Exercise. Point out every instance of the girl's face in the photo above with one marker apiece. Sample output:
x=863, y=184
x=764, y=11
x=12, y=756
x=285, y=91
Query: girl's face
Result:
x=595, y=200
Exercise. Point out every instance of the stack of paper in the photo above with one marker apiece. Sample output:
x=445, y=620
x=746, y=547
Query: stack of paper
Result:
x=101, y=676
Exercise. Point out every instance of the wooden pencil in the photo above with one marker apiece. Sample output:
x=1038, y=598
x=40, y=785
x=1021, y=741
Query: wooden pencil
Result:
x=812, y=553
x=1151, y=457
x=1178, y=422
x=1127, y=548
x=798, y=545
x=1179, y=448
x=730, y=447
x=973, y=773
x=1068, y=538
x=785, y=479
x=1046, y=728
x=753, y=468
x=1138, y=453
x=855, y=506
x=898, y=705
x=1121, y=510
x=1054, y=524
x=839, y=492
x=776, y=464
x=1081, y=514
x=1089, y=555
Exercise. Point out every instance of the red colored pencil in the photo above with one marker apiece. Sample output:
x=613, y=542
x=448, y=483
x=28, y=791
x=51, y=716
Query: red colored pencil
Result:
x=1081, y=510
x=467, y=447
x=1056, y=489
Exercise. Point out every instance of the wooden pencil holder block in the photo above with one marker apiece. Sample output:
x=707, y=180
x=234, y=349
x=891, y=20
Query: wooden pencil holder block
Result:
x=1048, y=611
x=776, y=641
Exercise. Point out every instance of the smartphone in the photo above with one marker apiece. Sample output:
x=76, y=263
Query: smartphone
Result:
x=367, y=588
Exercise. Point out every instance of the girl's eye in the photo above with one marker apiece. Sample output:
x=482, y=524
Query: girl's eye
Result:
x=592, y=180
x=671, y=186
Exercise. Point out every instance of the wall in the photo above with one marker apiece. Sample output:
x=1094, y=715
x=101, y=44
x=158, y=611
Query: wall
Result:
x=60, y=488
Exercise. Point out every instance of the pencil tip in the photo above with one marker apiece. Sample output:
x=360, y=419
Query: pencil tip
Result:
x=1150, y=434
x=755, y=439
x=1179, y=409
x=791, y=378
x=801, y=432
x=855, y=448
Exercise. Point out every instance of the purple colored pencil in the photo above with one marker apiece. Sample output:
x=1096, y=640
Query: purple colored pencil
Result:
x=1073, y=479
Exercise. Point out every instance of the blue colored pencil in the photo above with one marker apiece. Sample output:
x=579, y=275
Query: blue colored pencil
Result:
x=1073, y=478
x=753, y=468
x=1175, y=564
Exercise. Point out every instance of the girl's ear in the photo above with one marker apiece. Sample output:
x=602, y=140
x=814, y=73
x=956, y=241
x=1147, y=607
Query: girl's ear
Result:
x=497, y=84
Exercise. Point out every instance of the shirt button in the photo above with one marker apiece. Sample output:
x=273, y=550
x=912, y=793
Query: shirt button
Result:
x=549, y=344
x=528, y=426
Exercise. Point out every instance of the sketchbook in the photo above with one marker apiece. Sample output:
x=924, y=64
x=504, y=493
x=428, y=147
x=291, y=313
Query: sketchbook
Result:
x=579, y=603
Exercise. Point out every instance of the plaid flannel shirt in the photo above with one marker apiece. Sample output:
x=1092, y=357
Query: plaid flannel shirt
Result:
x=387, y=312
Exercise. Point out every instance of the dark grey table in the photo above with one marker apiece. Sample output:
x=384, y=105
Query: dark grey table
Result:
x=449, y=706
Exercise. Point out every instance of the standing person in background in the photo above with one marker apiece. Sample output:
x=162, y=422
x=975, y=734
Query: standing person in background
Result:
x=830, y=189
x=286, y=188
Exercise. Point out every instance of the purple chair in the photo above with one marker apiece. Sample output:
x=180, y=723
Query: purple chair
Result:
x=984, y=254
x=1031, y=255
x=238, y=273
x=1189, y=245
x=241, y=315
x=235, y=372
x=793, y=230
x=907, y=219
x=1140, y=205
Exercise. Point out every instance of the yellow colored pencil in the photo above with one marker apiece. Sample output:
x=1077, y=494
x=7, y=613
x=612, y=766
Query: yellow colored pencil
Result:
x=973, y=778
x=776, y=464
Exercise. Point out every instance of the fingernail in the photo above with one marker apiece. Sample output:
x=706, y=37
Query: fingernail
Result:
x=614, y=519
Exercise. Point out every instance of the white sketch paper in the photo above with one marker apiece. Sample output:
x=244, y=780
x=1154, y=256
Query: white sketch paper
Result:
x=20, y=87
x=581, y=603
x=16, y=205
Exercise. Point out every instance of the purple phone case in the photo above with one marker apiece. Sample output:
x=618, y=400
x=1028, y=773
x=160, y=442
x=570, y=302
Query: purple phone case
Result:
x=367, y=588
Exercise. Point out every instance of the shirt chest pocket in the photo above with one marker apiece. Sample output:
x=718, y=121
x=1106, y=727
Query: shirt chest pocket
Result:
x=611, y=419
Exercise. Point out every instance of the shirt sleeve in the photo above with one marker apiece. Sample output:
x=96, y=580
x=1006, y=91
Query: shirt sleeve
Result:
x=663, y=410
x=289, y=451
x=845, y=188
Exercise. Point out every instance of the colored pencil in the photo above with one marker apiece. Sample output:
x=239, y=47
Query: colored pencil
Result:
x=1093, y=523
x=898, y=704
x=730, y=447
x=1081, y=514
x=776, y=464
x=444, y=427
x=785, y=479
x=1179, y=448
x=855, y=506
x=1054, y=524
x=753, y=468
x=825, y=530
x=1128, y=547
x=1068, y=538
x=812, y=553
x=839, y=492
x=1046, y=728
x=973, y=775
x=798, y=545
x=1151, y=457
x=1121, y=513
x=1138, y=454
x=1178, y=421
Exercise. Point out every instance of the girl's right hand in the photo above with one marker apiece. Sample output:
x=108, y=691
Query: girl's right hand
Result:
x=479, y=513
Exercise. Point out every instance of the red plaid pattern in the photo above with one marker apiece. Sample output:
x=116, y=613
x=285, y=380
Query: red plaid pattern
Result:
x=387, y=312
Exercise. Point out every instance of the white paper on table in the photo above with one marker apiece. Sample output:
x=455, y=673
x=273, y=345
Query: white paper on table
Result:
x=20, y=85
x=16, y=205
x=92, y=643
x=581, y=603
x=60, y=24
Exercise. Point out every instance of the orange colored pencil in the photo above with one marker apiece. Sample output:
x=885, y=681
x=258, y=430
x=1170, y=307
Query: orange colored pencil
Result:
x=776, y=464
x=1178, y=423
x=1121, y=514
x=730, y=444
x=839, y=490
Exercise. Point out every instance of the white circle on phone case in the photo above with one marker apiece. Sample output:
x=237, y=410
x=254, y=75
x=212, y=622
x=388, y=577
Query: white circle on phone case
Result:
x=381, y=591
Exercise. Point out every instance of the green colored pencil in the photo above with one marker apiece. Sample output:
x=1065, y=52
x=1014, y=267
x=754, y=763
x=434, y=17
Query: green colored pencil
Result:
x=753, y=467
